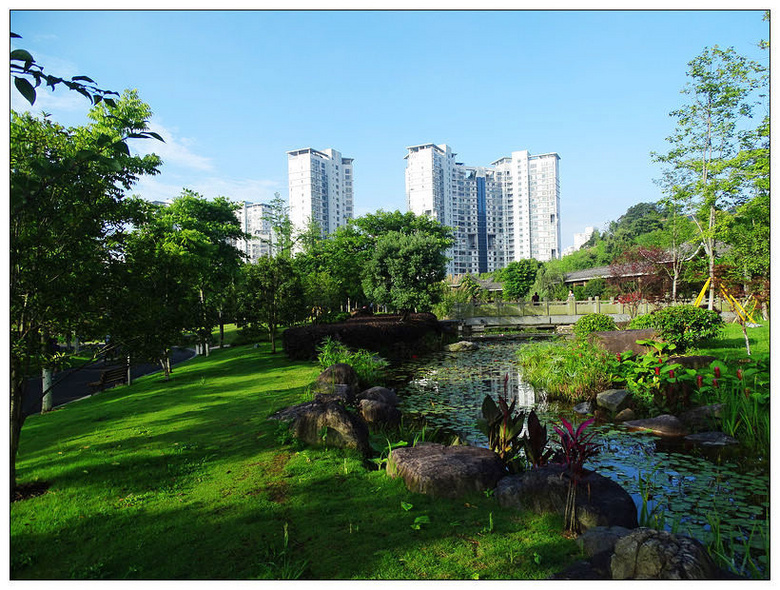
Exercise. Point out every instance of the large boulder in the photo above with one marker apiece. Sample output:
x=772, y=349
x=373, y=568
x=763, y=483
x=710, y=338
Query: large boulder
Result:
x=663, y=425
x=326, y=423
x=616, y=341
x=613, y=400
x=380, y=394
x=702, y=417
x=378, y=414
x=693, y=362
x=711, y=439
x=339, y=380
x=600, y=539
x=442, y=471
x=648, y=554
x=599, y=500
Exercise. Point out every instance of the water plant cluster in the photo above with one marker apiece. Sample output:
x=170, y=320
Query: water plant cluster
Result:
x=662, y=384
x=370, y=367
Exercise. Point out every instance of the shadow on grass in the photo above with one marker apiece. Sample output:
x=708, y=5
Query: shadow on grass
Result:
x=188, y=480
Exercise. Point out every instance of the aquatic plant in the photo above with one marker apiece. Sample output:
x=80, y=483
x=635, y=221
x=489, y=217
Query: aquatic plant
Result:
x=370, y=368
x=535, y=442
x=502, y=427
x=578, y=447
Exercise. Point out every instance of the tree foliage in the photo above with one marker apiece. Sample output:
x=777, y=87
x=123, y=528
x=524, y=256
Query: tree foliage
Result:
x=404, y=271
x=517, y=277
x=270, y=295
x=703, y=168
x=67, y=223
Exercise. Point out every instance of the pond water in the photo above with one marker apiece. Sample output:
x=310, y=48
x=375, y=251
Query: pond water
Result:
x=685, y=488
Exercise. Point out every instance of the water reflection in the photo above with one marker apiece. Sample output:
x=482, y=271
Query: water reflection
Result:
x=681, y=487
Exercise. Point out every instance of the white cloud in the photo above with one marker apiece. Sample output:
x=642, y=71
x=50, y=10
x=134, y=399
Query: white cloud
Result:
x=175, y=151
x=169, y=186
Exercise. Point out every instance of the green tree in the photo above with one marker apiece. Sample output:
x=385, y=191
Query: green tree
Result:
x=517, y=277
x=201, y=233
x=67, y=220
x=550, y=281
x=151, y=301
x=270, y=295
x=405, y=270
x=677, y=238
x=708, y=137
x=282, y=238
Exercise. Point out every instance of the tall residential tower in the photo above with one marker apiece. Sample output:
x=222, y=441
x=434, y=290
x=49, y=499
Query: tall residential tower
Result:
x=499, y=214
x=320, y=185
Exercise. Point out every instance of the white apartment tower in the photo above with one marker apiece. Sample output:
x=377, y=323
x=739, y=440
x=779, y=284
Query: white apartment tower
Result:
x=320, y=185
x=507, y=212
x=253, y=220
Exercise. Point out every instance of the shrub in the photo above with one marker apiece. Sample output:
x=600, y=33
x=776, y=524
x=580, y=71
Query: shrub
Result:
x=593, y=322
x=573, y=370
x=686, y=325
x=369, y=367
x=642, y=322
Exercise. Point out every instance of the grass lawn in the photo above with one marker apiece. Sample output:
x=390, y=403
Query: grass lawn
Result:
x=188, y=479
x=731, y=345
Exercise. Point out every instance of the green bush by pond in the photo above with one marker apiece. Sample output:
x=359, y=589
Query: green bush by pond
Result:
x=569, y=370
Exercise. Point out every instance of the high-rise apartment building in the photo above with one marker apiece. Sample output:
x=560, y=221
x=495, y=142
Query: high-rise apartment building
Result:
x=320, y=185
x=253, y=218
x=499, y=214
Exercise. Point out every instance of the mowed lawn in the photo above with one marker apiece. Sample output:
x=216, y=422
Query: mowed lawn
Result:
x=187, y=479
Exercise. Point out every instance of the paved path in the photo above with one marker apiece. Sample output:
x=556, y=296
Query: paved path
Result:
x=72, y=384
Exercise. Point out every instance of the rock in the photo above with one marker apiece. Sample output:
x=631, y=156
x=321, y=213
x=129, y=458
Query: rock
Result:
x=648, y=554
x=613, y=399
x=703, y=417
x=330, y=424
x=338, y=374
x=337, y=392
x=712, y=439
x=693, y=362
x=625, y=415
x=600, y=501
x=461, y=346
x=616, y=341
x=583, y=408
x=663, y=425
x=379, y=414
x=581, y=570
x=600, y=538
x=449, y=472
x=380, y=394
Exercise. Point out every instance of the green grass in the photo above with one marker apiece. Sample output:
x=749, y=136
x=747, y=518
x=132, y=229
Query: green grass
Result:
x=730, y=346
x=187, y=479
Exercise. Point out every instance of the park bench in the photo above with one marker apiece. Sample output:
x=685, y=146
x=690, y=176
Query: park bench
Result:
x=109, y=377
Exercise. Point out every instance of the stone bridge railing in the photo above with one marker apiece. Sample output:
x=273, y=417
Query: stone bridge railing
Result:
x=546, y=313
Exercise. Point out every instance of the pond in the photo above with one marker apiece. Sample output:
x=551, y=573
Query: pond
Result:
x=706, y=493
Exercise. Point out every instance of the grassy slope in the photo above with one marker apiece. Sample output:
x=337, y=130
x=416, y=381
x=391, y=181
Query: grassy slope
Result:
x=187, y=479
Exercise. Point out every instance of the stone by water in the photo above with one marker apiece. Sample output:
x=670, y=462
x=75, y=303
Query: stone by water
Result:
x=683, y=487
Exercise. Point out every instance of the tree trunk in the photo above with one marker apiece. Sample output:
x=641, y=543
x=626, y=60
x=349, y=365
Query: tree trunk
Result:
x=18, y=386
x=272, y=337
x=745, y=334
x=46, y=390
x=129, y=376
x=46, y=376
x=711, y=253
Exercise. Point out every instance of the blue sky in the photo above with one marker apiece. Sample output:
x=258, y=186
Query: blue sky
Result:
x=233, y=91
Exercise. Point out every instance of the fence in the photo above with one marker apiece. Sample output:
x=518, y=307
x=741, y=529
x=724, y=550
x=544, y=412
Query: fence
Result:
x=570, y=307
